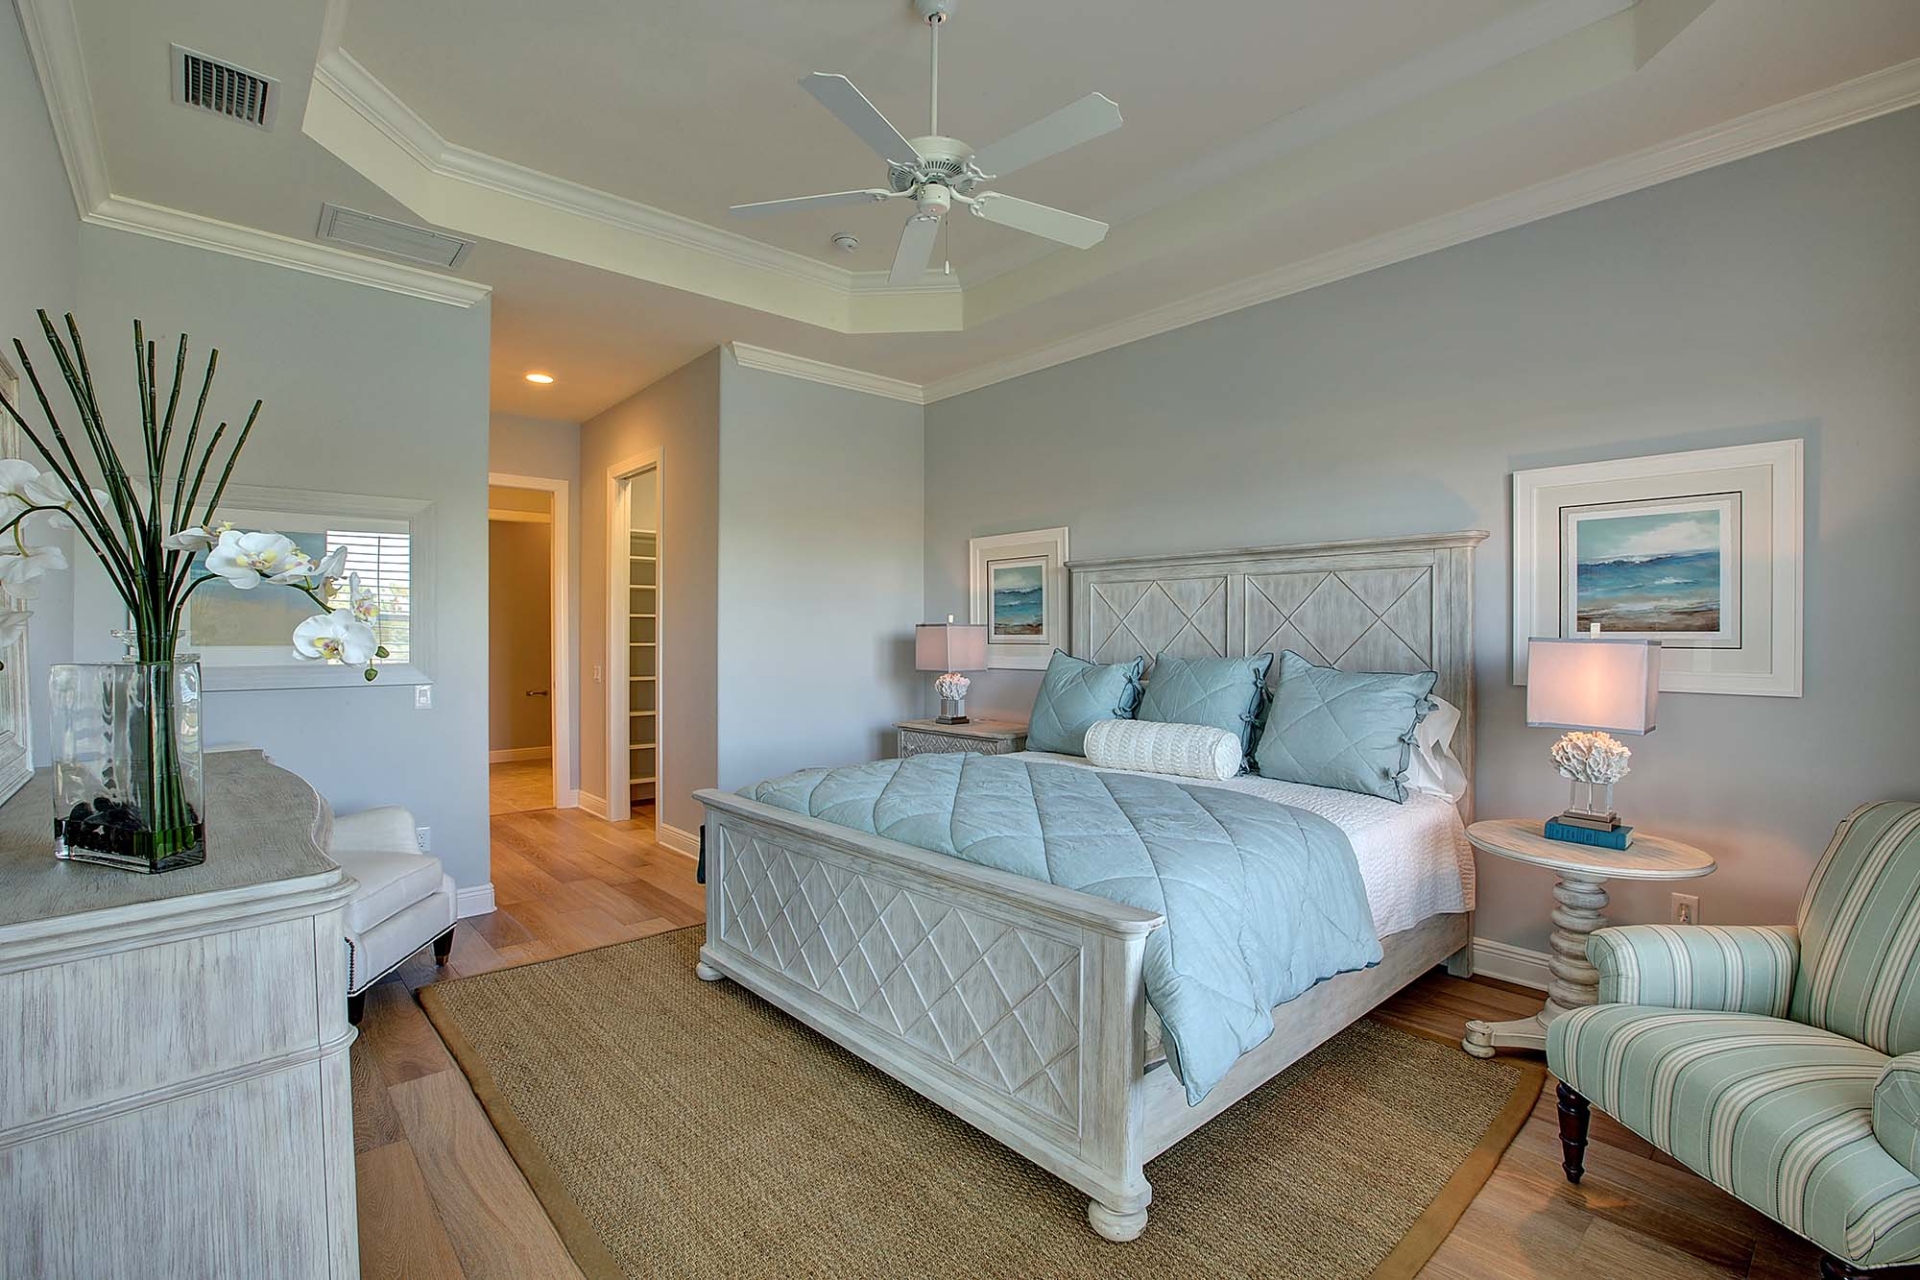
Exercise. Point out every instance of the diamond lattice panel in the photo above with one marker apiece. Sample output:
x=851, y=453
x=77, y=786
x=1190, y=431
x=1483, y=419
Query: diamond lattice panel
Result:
x=1360, y=620
x=996, y=1002
x=1184, y=616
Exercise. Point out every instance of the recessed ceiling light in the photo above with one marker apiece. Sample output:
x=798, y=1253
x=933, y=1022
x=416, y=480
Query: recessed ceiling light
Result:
x=542, y=378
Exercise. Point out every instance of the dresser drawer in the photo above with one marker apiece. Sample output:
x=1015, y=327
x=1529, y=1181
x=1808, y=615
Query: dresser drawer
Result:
x=919, y=742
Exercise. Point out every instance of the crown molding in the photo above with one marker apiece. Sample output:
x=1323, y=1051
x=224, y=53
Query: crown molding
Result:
x=343, y=76
x=53, y=42
x=192, y=229
x=833, y=375
x=1878, y=93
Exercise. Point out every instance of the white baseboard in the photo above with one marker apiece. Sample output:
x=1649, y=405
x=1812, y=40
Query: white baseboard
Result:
x=1503, y=960
x=510, y=754
x=476, y=900
x=569, y=798
x=685, y=842
x=593, y=804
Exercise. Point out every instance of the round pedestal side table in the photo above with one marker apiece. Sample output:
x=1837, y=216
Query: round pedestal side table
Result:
x=1581, y=899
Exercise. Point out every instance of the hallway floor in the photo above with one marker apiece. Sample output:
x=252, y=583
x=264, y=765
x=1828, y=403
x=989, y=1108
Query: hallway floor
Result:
x=518, y=786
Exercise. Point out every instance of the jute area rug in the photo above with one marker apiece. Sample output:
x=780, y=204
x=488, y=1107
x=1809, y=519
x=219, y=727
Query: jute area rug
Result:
x=672, y=1127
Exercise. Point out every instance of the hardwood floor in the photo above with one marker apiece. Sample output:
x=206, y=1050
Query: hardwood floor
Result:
x=439, y=1197
x=516, y=786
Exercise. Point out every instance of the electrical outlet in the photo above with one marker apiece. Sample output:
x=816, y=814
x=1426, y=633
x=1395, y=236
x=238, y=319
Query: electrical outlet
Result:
x=423, y=697
x=423, y=836
x=596, y=673
x=1686, y=908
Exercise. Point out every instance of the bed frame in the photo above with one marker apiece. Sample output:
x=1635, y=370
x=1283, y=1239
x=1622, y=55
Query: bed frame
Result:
x=1020, y=1006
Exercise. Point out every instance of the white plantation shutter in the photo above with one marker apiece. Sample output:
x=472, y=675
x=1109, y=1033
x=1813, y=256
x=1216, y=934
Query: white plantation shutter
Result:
x=384, y=562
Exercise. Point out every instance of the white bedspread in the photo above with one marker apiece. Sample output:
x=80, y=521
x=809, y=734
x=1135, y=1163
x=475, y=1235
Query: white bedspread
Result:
x=1414, y=857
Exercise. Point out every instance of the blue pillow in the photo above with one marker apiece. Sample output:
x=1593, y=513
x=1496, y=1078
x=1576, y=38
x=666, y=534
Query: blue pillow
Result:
x=1224, y=693
x=1073, y=695
x=1351, y=730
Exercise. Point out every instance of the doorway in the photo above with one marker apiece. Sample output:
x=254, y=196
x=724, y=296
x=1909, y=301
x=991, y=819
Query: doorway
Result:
x=636, y=572
x=529, y=712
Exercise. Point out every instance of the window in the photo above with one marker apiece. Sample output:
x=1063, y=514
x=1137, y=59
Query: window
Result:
x=384, y=562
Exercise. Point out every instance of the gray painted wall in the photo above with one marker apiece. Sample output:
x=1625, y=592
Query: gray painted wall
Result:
x=821, y=572
x=1771, y=298
x=366, y=392
x=549, y=449
x=680, y=416
x=38, y=268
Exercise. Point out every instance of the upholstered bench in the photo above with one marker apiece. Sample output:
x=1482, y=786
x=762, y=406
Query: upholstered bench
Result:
x=404, y=900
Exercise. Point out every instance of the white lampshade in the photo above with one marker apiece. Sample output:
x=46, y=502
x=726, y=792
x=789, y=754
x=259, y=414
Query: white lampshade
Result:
x=1593, y=682
x=949, y=646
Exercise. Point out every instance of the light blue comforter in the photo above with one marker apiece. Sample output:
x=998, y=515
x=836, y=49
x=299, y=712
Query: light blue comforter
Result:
x=1261, y=900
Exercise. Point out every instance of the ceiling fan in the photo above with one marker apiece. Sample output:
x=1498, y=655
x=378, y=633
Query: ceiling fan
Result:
x=938, y=172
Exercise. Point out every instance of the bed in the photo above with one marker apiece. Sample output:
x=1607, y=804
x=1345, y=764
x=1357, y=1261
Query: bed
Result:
x=793, y=903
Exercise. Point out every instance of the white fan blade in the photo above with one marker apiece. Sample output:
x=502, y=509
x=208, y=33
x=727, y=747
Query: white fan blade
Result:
x=1071, y=125
x=832, y=200
x=916, y=249
x=1040, y=220
x=837, y=94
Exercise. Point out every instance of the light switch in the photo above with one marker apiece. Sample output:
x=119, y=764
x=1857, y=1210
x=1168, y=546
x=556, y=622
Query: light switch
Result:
x=423, y=697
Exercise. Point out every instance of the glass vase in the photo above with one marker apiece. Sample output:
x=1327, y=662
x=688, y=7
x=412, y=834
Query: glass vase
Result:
x=128, y=776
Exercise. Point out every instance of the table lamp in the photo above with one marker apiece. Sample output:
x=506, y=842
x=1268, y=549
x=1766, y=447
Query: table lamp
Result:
x=1592, y=684
x=950, y=647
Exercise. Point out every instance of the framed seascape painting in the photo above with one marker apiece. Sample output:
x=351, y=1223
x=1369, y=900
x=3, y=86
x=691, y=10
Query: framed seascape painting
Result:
x=1018, y=590
x=1700, y=551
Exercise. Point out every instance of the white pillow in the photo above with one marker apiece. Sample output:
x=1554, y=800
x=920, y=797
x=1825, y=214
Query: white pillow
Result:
x=1431, y=765
x=1185, y=750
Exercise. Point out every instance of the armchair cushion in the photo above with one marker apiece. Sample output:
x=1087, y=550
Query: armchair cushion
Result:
x=1743, y=969
x=1777, y=1113
x=1896, y=1110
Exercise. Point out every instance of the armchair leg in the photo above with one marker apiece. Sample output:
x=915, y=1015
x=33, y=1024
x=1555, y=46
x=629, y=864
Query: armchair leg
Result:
x=443, y=947
x=1574, y=1116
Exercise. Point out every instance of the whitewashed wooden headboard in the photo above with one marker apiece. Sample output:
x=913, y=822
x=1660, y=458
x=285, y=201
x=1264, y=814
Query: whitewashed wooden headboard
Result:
x=1379, y=604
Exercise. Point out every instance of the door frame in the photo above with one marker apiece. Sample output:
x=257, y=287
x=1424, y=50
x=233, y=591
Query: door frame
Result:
x=560, y=626
x=619, y=530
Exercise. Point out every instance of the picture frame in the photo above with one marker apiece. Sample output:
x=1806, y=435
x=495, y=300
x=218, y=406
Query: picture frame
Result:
x=244, y=639
x=16, y=720
x=1700, y=550
x=1017, y=589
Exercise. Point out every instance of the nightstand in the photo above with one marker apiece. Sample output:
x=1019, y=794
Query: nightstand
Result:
x=1581, y=897
x=988, y=737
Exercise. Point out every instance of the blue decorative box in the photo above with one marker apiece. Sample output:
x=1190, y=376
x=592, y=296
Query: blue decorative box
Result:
x=1618, y=838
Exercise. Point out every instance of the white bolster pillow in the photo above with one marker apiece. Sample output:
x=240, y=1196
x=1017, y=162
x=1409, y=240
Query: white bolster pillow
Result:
x=1150, y=746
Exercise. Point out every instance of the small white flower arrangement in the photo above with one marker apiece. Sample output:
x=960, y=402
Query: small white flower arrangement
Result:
x=1597, y=759
x=142, y=531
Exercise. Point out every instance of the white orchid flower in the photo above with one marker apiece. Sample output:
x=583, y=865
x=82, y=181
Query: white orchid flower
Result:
x=20, y=565
x=331, y=564
x=363, y=601
x=245, y=560
x=17, y=483
x=13, y=625
x=196, y=537
x=335, y=637
x=298, y=569
x=48, y=491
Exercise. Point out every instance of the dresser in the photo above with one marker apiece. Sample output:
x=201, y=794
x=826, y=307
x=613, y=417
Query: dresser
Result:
x=989, y=737
x=173, y=1049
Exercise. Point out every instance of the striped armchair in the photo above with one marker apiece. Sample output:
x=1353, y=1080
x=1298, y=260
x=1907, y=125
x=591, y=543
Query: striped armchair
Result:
x=1780, y=1063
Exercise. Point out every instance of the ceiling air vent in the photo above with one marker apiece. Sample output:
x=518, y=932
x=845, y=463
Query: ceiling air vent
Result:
x=395, y=239
x=224, y=89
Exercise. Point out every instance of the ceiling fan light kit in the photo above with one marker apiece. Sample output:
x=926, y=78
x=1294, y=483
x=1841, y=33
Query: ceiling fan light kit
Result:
x=937, y=172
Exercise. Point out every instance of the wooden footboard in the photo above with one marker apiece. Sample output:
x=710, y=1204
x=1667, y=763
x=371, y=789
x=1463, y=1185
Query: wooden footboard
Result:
x=1016, y=1005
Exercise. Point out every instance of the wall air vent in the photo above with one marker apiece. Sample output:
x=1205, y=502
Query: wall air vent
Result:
x=224, y=89
x=423, y=245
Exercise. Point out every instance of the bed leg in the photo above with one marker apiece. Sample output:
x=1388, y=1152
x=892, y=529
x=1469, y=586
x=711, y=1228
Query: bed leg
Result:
x=1114, y=1225
x=1460, y=963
